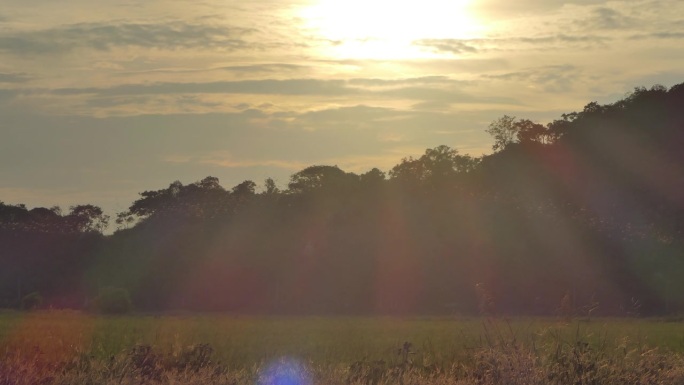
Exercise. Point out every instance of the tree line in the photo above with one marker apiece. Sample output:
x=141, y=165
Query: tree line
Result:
x=583, y=214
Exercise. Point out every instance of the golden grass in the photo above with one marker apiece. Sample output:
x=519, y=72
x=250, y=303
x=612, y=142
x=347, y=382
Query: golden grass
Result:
x=78, y=348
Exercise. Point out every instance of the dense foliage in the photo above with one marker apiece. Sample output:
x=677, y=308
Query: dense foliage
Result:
x=584, y=214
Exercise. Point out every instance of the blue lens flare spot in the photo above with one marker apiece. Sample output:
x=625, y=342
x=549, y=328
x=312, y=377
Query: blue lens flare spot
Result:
x=285, y=372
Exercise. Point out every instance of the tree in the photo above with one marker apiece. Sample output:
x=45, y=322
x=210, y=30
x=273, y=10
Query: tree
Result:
x=372, y=177
x=443, y=161
x=507, y=130
x=244, y=189
x=409, y=170
x=439, y=161
x=504, y=131
x=12, y=214
x=270, y=187
x=556, y=129
x=531, y=132
x=200, y=199
x=87, y=218
x=209, y=183
x=435, y=165
x=315, y=178
x=154, y=201
x=124, y=220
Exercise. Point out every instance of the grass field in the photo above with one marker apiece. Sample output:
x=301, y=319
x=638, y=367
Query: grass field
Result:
x=330, y=347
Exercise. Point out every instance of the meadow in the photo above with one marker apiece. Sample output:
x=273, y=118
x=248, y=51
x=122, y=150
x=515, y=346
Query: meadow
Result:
x=74, y=347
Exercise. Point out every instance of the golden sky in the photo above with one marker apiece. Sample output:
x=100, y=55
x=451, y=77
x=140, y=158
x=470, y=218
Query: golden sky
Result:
x=100, y=100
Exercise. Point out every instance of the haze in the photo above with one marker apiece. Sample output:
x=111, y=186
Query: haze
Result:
x=102, y=100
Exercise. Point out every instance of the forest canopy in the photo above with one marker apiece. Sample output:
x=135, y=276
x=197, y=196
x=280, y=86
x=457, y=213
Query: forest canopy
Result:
x=585, y=210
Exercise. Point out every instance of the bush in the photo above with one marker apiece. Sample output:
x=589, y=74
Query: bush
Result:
x=113, y=300
x=31, y=301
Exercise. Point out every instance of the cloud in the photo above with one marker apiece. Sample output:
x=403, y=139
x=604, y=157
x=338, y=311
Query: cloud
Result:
x=14, y=77
x=560, y=38
x=103, y=37
x=448, y=95
x=455, y=46
x=303, y=86
x=555, y=78
x=252, y=69
x=357, y=163
x=265, y=86
x=182, y=102
x=357, y=115
x=375, y=82
x=494, y=44
x=604, y=18
x=659, y=35
x=226, y=160
x=266, y=68
x=507, y=7
x=344, y=95
x=429, y=88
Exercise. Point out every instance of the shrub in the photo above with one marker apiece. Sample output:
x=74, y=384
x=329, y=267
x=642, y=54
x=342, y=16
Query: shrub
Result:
x=113, y=300
x=31, y=301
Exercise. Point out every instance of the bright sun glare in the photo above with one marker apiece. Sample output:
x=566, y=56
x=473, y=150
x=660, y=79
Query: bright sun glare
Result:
x=387, y=29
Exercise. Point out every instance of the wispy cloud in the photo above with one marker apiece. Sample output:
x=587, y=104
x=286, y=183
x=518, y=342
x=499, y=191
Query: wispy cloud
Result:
x=265, y=86
x=445, y=95
x=266, y=68
x=103, y=37
x=507, y=7
x=358, y=113
x=225, y=159
x=14, y=77
x=438, y=88
x=455, y=46
x=556, y=78
x=498, y=44
x=604, y=18
x=356, y=163
x=658, y=35
x=376, y=82
x=302, y=86
x=252, y=69
x=181, y=102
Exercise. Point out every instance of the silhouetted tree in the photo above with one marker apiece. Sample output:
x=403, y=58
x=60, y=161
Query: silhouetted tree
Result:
x=317, y=178
x=85, y=218
x=246, y=188
x=504, y=131
x=589, y=204
x=270, y=187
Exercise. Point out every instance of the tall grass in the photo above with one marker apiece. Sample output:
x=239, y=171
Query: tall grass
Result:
x=76, y=348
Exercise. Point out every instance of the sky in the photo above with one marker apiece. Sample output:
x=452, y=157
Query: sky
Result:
x=101, y=100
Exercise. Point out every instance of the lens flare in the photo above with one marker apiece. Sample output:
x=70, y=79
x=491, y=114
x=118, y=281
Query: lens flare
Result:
x=286, y=371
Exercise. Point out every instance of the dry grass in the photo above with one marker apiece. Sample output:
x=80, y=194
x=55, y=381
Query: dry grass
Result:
x=509, y=365
x=58, y=349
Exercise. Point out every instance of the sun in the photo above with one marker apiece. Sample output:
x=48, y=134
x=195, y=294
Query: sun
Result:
x=388, y=29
